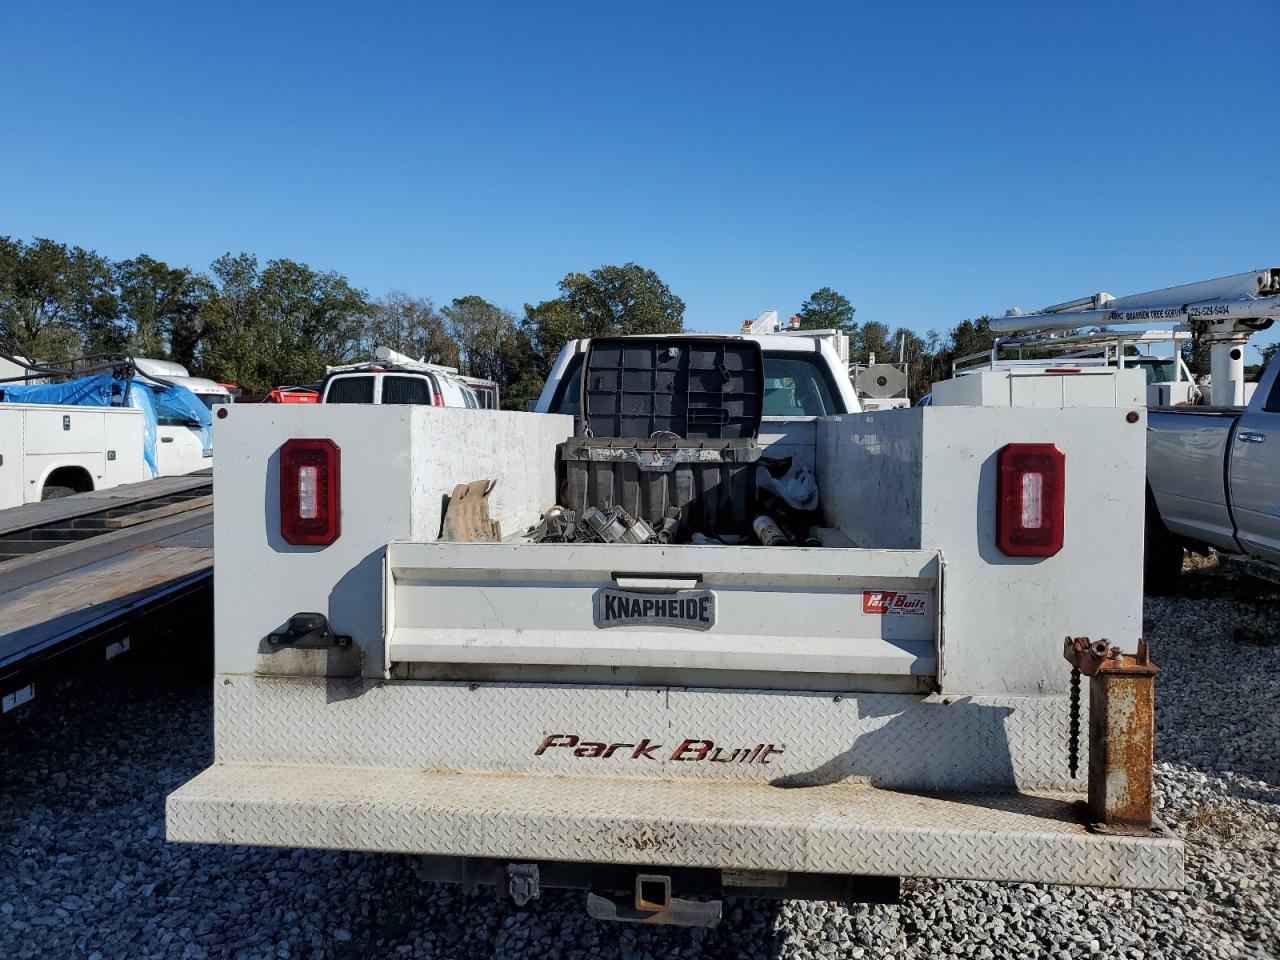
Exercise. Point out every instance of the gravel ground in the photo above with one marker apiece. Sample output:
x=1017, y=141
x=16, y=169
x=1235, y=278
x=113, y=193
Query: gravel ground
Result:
x=85, y=871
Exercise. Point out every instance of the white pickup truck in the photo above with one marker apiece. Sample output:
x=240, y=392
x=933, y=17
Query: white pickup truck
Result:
x=665, y=723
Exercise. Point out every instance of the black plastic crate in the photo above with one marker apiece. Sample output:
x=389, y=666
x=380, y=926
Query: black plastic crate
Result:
x=712, y=482
x=697, y=388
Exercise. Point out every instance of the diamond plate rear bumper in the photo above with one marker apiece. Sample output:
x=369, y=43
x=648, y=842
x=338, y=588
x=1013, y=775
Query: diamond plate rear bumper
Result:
x=847, y=827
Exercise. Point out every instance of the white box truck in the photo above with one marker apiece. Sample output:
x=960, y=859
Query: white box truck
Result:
x=663, y=723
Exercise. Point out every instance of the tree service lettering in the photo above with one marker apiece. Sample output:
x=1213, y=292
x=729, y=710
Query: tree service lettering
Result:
x=689, y=751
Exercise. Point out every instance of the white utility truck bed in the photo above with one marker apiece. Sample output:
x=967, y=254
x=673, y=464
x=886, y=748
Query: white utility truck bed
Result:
x=49, y=450
x=771, y=720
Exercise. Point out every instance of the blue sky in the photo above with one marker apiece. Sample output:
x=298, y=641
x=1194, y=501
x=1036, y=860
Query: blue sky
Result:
x=930, y=161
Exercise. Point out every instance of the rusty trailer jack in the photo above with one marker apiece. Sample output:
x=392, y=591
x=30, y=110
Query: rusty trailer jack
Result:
x=1121, y=734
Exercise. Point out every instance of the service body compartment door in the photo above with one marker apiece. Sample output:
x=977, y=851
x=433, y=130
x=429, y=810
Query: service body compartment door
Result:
x=758, y=609
x=125, y=460
x=65, y=430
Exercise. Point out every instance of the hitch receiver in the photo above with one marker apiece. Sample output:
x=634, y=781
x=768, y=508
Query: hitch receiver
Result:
x=653, y=903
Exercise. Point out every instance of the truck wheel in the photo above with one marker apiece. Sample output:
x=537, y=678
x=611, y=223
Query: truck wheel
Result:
x=56, y=493
x=1162, y=556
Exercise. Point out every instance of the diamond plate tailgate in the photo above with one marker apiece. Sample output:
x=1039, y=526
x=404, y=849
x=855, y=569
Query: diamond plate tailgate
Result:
x=847, y=827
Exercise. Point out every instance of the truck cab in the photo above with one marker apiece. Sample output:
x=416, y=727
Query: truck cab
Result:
x=182, y=441
x=803, y=377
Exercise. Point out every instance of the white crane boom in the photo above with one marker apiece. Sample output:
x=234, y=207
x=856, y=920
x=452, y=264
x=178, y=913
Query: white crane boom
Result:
x=1228, y=309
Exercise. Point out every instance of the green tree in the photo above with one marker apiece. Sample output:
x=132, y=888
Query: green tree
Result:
x=1268, y=352
x=409, y=325
x=312, y=319
x=521, y=381
x=56, y=302
x=229, y=319
x=971, y=336
x=873, y=338
x=917, y=356
x=496, y=346
x=623, y=300
x=480, y=328
x=827, y=310
x=187, y=324
x=280, y=324
x=159, y=305
x=549, y=326
x=1195, y=352
x=931, y=363
x=608, y=301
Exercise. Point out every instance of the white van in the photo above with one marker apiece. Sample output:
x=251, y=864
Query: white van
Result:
x=429, y=388
x=392, y=377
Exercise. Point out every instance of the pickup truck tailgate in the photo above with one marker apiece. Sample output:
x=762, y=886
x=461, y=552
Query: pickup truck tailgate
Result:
x=807, y=610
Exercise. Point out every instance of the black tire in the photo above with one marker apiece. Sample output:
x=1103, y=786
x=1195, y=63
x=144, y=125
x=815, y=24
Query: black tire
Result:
x=1162, y=556
x=56, y=493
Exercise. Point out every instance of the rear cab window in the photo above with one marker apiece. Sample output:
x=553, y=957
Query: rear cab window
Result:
x=796, y=384
x=1157, y=371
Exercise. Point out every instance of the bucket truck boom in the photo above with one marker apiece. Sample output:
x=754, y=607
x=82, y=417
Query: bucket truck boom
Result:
x=1227, y=311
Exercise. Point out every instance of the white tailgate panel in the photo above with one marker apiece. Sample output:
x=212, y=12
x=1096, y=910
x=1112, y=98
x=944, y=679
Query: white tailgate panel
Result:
x=792, y=609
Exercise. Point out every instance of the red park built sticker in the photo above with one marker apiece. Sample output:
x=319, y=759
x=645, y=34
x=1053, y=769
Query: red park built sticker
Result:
x=894, y=603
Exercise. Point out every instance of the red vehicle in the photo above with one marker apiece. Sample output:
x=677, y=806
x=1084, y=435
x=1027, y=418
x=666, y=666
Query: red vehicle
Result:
x=292, y=395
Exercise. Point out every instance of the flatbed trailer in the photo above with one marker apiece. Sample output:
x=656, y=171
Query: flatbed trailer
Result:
x=84, y=579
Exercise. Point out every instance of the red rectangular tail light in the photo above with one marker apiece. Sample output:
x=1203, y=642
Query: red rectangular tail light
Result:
x=310, y=492
x=1030, y=497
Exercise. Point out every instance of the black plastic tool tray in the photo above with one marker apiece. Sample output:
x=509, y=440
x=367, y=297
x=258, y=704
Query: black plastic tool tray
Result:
x=697, y=388
x=712, y=482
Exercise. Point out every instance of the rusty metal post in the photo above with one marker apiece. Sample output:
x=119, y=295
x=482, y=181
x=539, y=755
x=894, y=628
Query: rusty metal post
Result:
x=1121, y=733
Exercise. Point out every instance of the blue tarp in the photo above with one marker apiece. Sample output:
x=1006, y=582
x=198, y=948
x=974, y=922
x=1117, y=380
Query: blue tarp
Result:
x=176, y=402
x=155, y=401
x=103, y=390
x=143, y=399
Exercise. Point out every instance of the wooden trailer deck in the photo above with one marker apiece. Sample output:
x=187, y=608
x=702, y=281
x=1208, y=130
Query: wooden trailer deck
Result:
x=88, y=568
